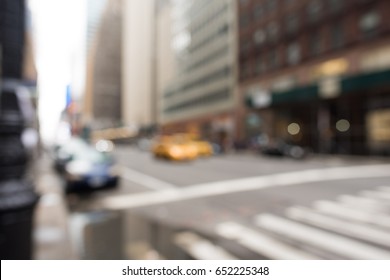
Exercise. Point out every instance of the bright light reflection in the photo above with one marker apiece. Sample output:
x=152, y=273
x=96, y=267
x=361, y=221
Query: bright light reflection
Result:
x=293, y=128
x=343, y=125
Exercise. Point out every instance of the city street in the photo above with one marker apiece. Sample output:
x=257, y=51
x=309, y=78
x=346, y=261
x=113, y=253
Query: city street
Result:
x=183, y=129
x=240, y=205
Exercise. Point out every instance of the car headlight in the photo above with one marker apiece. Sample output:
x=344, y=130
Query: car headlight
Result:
x=104, y=146
x=78, y=167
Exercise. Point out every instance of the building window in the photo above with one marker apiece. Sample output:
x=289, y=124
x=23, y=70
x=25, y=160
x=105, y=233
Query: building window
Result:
x=271, y=6
x=314, y=10
x=336, y=5
x=246, y=70
x=244, y=2
x=260, y=66
x=245, y=20
x=258, y=12
x=337, y=36
x=259, y=37
x=245, y=46
x=315, y=46
x=273, y=59
x=292, y=24
x=293, y=53
x=369, y=23
x=273, y=31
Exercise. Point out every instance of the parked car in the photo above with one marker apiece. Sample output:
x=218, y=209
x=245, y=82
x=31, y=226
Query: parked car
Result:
x=85, y=168
x=282, y=148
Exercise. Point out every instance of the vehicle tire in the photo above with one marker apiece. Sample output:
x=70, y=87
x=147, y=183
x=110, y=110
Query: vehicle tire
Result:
x=68, y=188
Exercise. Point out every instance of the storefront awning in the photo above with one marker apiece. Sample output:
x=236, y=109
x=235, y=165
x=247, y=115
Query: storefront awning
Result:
x=348, y=85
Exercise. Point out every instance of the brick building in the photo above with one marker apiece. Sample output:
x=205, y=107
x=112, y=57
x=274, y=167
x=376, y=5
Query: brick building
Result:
x=316, y=73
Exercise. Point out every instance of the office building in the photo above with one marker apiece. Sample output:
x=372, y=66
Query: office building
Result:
x=201, y=96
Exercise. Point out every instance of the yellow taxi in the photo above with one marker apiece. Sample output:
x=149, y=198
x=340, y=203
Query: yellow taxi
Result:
x=181, y=147
x=203, y=148
x=175, y=147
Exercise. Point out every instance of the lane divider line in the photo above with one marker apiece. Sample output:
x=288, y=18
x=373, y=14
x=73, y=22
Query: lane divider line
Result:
x=172, y=194
x=145, y=180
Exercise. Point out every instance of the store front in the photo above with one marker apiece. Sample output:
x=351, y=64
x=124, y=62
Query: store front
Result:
x=347, y=115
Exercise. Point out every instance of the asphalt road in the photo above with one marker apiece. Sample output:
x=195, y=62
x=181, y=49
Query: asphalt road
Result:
x=249, y=206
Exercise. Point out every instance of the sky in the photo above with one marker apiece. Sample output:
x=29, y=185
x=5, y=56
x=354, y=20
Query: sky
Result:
x=59, y=29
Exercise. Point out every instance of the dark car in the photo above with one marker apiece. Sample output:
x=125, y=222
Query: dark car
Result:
x=283, y=149
x=85, y=168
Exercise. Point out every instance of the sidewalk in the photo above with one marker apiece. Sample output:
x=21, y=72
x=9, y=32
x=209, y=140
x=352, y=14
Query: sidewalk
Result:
x=51, y=232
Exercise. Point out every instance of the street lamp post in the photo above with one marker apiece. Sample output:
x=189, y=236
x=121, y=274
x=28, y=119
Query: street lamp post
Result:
x=17, y=195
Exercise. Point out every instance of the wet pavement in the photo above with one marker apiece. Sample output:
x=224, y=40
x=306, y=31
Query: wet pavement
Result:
x=181, y=211
x=51, y=225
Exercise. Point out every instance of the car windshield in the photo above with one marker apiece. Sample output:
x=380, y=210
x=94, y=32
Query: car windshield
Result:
x=80, y=150
x=91, y=155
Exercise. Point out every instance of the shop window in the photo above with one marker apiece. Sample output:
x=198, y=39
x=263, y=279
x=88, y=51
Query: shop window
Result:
x=293, y=53
x=369, y=23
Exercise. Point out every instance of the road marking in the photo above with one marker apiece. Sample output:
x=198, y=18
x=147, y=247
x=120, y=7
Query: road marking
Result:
x=170, y=194
x=145, y=180
x=343, y=211
x=382, y=195
x=50, y=199
x=319, y=238
x=49, y=234
x=200, y=248
x=260, y=243
x=366, y=203
x=384, y=189
x=361, y=231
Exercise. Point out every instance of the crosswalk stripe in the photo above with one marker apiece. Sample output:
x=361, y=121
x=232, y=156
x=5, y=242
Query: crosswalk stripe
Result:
x=260, y=243
x=366, y=203
x=200, y=248
x=361, y=231
x=167, y=193
x=382, y=195
x=384, y=188
x=319, y=238
x=144, y=179
x=339, y=210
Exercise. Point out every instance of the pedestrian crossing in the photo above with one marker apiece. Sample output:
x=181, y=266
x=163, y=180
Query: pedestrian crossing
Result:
x=348, y=227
